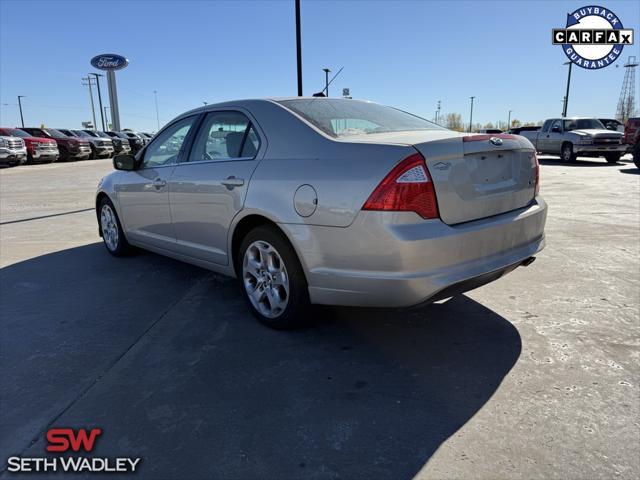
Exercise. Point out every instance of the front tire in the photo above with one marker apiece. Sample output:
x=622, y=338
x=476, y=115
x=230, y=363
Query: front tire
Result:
x=636, y=154
x=111, y=229
x=567, y=154
x=272, y=279
x=612, y=157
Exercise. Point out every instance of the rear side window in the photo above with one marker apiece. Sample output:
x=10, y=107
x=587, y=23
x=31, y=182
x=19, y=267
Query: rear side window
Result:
x=225, y=136
x=341, y=117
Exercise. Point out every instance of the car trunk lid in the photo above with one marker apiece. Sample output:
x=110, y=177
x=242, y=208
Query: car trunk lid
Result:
x=478, y=176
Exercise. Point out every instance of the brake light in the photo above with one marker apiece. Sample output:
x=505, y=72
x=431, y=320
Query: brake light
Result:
x=537, y=184
x=407, y=188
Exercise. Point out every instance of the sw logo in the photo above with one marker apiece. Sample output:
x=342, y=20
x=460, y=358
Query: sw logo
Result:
x=61, y=439
x=68, y=440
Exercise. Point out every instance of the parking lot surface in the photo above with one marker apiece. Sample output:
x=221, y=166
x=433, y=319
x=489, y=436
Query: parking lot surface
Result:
x=533, y=376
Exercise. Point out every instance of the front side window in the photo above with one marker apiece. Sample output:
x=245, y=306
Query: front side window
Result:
x=341, y=117
x=558, y=124
x=225, y=136
x=166, y=147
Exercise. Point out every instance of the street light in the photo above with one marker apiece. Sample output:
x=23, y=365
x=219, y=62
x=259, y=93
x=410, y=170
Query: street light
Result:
x=566, y=97
x=509, y=120
x=326, y=81
x=106, y=117
x=20, y=107
x=93, y=110
x=471, y=116
x=99, y=96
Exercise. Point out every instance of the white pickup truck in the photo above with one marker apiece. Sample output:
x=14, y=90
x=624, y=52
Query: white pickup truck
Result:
x=572, y=137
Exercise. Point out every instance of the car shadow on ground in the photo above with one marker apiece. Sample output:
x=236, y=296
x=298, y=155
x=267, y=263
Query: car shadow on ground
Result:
x=632, y=171
x=165, y=358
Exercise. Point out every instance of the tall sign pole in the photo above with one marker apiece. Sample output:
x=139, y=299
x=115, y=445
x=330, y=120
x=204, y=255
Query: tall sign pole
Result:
x=111, y=62
x=298, y=48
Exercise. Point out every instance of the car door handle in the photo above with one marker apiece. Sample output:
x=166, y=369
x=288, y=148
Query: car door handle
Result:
x=159, y=183
x=231, y=182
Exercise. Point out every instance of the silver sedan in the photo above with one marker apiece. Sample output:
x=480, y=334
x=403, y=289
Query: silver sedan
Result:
x=327, y=201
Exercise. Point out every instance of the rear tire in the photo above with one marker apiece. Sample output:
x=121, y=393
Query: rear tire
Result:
x=272, y=279
x=566, y=153
x=111, y=229
x=636, y=154
x=612, y=157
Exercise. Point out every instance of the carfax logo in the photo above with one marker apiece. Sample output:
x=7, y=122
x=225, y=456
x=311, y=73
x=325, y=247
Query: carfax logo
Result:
x=593, y=38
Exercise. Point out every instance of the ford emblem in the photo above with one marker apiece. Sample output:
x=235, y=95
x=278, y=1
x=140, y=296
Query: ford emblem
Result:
x=496, y=141
x=109, y=61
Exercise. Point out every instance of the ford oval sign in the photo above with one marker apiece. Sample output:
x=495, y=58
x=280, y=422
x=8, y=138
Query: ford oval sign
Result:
x=109, y=61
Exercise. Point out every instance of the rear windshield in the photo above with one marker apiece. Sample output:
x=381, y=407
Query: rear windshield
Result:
x=341, y=117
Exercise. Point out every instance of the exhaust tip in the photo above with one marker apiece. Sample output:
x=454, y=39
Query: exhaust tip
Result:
x=528, y=261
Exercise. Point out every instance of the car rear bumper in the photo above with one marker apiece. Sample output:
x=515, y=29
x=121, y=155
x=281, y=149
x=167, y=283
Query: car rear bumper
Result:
x=387, y=259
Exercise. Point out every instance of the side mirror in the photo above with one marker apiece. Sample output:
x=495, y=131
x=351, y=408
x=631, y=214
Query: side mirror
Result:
x=555, y=129
x=124, y=162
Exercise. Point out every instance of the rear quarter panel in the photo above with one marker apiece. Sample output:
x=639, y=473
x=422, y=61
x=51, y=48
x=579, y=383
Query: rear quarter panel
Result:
x=343, y=174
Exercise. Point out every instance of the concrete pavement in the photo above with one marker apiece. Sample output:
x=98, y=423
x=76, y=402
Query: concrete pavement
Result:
x=533, y=376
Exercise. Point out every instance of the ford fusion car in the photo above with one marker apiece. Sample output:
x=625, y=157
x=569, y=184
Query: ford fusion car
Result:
x=327, y=201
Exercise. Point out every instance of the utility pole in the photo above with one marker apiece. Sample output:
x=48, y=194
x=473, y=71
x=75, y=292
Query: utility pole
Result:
x=509, y=121
x=155, y=94
x=93, y=110
x=566, y=97
x=326, y=81
x=471, y=116
x=20, y=107
x=99, y=97
x=438, y=112
x=298, y=48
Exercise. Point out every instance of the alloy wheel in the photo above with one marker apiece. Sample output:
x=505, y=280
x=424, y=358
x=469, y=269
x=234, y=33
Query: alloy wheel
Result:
x=109, y=227
x=265, y=279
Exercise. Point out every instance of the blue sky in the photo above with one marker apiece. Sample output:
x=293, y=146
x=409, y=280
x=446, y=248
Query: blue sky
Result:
x=405, y=54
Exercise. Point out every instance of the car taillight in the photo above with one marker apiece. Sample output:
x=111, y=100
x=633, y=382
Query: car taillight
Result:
x=537, y=184
x=407, y=188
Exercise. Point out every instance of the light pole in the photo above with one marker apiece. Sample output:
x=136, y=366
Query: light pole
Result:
x=438, y=111
x=566, y=97
x=99, y=96
x=20, y=107
x=326, y=80
x=93, y=109
x=155, y=94
x=106, y=118
x=471, y=116
x=298, y=48
x=509, y=120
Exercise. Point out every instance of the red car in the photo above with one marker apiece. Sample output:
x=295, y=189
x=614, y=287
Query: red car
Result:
x=39, y=149
x=632, y=138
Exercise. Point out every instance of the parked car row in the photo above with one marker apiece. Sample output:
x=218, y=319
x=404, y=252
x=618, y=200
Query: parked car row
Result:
x=45, y=145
